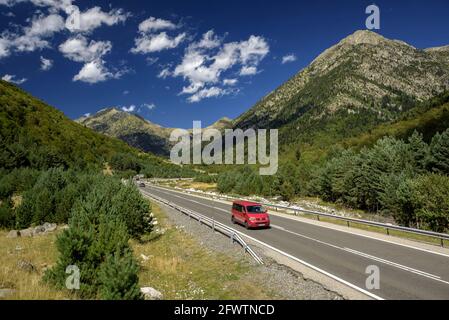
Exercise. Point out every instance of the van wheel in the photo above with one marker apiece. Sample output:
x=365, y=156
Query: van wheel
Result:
x=233, y=220
x=246, y=225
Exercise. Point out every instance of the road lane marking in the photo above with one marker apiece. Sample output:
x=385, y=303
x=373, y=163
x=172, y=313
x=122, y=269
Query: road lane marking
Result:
x=222, y=210
x=374, y=258
x=311, y=266
x=330, y=275
x=327, y=227
x=397, y=265
x=362, y=254
x=186, y=199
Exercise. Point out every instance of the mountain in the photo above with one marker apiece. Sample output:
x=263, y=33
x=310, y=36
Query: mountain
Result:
x=137, y=131
x=441, y=53
x=131, y=128
x=33, y=134
x=222, y=124
x=36, y=135
x=360, y=82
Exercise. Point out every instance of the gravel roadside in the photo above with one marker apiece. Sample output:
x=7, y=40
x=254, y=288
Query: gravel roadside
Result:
x=285, y=282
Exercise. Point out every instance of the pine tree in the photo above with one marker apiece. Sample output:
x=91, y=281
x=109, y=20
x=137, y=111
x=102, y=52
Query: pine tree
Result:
x=439, y=153
x=118, y=278
x=431, y=199
x=419, y=151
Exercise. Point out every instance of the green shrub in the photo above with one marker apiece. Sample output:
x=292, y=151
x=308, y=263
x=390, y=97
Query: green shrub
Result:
x=97, y=243
x=118, y=278
x=431, y=199
x=439, y=153
x=7, y=218
x=17, y=181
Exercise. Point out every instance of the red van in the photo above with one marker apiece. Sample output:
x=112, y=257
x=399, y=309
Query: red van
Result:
x=250, y=214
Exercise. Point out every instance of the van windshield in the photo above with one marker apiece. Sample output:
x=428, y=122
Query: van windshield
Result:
x=255, y=209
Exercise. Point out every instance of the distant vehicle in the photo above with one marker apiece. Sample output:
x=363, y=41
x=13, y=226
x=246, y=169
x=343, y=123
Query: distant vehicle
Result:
x=250, y=214
x=142, y=185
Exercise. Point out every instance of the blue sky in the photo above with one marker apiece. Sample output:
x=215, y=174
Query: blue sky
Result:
x=178, y=61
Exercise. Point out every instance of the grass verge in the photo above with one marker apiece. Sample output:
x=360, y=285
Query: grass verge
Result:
x=181, y=268
x=176, y=264
x=28, y=285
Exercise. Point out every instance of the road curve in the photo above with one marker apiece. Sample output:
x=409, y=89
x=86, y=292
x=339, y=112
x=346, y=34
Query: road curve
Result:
x=405, y=272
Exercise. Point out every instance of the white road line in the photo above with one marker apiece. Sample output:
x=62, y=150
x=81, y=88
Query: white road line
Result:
x=221, y=210
x=334, y=229
x=365, y=255
x=330, y=275
x=393, y=264
x=196, y=202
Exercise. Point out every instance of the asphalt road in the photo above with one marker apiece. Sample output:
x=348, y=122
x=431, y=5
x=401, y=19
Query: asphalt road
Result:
x=405, y=272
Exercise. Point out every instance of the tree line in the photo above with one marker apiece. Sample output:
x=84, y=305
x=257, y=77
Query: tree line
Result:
x=103, y=214
x=406, y=179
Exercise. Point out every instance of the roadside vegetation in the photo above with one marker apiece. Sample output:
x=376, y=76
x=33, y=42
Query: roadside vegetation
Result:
x=398, y=170
x=173, y=262
x=53, y=170
x=407, y=180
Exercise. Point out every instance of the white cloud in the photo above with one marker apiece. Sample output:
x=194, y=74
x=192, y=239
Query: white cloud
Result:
x=46, y=64
x=4, y=48
x=93, y=18
x=91, y=54
x=152, y=39
x=12, y=79
x=52, y=4
x=149, y=106
x=209, y=41
x=156, y=42
x=288, y=58
x=131, y=108
x=208, y=93
x=230, y=82
x=78, y=49
x=33, y=37
x=253, y=50
x=248, y=71
x=126, y=92
x=164, y=73
x=93, y=72
x=155, y=24
x=77, y=21
x=45, y=25
x=41, y=27
x=151, y=60
x=206, y=61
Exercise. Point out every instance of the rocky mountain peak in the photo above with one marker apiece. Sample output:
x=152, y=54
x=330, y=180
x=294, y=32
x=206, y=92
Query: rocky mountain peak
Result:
x=364, y=37
x=364, y=71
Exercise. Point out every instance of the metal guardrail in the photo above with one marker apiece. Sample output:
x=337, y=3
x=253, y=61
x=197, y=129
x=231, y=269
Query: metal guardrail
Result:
x=215, y=225
x=387, y=227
